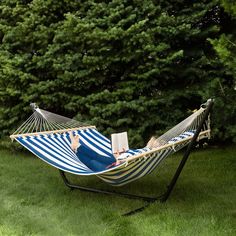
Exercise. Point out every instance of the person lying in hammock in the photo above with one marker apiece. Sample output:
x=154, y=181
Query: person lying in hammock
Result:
x=91, y=159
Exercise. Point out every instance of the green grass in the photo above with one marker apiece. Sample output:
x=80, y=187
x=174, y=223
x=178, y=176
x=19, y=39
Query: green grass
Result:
x=34, y=200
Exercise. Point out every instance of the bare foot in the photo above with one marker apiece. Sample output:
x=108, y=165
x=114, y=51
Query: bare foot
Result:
x=74, y=141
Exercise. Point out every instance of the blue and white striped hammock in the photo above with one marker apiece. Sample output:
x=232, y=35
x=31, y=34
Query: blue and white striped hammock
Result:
x=47, y=136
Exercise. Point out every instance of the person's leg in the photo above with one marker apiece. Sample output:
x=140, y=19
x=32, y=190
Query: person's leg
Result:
x=97, y=166
x=92, y=155
x=93, y=160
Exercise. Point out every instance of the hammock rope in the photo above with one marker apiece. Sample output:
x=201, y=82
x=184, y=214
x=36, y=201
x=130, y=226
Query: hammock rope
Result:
x=43, y=122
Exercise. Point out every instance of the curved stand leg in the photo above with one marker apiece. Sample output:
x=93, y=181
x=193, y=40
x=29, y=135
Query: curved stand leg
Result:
x=82, y=188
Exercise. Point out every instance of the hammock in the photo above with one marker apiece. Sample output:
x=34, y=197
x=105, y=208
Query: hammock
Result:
x=46, y=135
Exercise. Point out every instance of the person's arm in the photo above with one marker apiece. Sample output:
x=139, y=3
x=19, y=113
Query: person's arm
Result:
x=117, y=154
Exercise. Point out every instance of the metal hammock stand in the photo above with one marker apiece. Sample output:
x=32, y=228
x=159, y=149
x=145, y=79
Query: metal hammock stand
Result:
x=162, y=198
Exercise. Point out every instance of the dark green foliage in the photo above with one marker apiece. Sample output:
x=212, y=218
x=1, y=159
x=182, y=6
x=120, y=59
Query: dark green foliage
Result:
x=225, y=47
x=139, y=66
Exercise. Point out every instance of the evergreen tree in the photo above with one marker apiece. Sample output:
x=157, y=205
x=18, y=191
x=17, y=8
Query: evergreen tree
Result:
x=139, y=66
x=225, y=47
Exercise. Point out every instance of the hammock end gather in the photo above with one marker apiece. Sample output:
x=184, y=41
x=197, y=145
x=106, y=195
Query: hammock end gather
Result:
x=33, y=106
x=12, y=138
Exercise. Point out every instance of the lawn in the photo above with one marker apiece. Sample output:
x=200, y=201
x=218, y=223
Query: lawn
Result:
x=34, y=200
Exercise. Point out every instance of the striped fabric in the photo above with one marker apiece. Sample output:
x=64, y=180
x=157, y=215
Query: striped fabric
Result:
x=55, y=149
x=144, y=165
x=182, y=136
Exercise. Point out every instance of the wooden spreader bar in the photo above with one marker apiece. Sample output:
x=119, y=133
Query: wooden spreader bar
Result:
x=203, y=133
x=13, y=136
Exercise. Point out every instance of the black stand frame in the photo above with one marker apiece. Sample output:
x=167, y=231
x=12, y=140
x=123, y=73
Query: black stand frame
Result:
x=149, y=200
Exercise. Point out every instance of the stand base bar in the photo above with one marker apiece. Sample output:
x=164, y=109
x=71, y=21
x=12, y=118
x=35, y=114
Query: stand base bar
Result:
x=87, y=189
